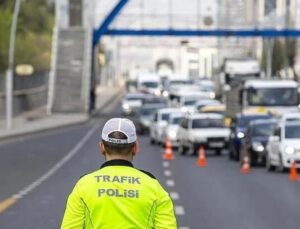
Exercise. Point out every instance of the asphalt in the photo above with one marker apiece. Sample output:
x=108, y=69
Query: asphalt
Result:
x=217, y=196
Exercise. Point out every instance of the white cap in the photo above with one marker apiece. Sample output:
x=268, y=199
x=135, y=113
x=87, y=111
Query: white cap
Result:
x=122, y=125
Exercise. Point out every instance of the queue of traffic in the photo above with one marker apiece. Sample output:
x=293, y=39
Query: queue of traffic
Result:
x=256, y=117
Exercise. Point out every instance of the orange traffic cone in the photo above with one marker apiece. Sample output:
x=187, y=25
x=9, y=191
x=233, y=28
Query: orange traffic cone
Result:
x=293, y=172
x=168, y=154
x=245, y=169
x=201, y=157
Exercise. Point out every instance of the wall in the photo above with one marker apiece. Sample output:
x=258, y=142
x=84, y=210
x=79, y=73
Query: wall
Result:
x=29, y=93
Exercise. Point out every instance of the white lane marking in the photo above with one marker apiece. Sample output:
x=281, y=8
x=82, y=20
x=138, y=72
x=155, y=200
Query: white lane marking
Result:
x=184, y=228
x=167, y=173
x=179, y=210
x=174, y=195
x=170, y=183
x=57, y=166
x=166, y=164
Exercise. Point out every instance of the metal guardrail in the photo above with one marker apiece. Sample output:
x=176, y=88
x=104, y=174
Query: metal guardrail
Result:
x=29, y=91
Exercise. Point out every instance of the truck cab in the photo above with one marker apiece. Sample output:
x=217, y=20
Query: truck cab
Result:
x=274, y=96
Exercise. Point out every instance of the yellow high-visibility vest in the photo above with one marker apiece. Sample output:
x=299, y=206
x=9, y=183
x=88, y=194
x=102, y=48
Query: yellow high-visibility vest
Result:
x=119, y=196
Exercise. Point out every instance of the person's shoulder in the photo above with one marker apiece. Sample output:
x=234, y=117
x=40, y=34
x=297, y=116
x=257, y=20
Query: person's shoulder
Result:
x=148, y=174
x=87, y=175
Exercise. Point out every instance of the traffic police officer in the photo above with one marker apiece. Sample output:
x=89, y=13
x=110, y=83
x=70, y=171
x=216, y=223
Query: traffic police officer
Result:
x=119, y=196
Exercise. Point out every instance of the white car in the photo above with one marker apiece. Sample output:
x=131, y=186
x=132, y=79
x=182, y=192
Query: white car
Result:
x=204, y=102
x=131, y=102
x=284, y=146
x=171, y=131
x=205, y=130
x=158, y=124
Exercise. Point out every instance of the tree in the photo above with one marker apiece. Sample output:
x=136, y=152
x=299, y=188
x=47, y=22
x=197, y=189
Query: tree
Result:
x=33, y=39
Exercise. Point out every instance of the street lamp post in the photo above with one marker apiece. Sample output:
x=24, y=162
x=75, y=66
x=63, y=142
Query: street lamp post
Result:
x=10, y=69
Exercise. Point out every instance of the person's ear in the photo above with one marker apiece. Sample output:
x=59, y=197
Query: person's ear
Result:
x=136, y=148
x=101, y=148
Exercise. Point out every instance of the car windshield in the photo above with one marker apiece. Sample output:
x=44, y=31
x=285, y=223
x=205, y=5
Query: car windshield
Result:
x=176, y=120
x=207, y=87
x=272, y=96
x=147, y=111
x=207, y=123
x=263, y=130
x=150, y=84
x=134, y=98
x=165, y=117
x=189, y=102
x=292, y=131
x=244, y=121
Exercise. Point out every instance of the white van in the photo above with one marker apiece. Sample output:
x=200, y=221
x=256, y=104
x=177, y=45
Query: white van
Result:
x=149, y=83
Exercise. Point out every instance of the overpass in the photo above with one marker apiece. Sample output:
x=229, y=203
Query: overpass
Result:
x=75, y=46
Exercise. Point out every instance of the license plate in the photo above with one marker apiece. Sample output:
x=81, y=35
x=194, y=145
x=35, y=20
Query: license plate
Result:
x=216, y=144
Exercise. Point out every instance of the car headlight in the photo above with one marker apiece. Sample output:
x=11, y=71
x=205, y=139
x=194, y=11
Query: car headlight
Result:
x=184, y=109
x=172, y=134
x=126, y=106
x=240, y=135
x=145, y=122
x=289, y=150
x=157, y=92
x=258, y=146
x=212, y=95
x=165, y=94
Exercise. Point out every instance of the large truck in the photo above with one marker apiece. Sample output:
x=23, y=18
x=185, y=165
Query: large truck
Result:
x=261, y=95
x=236, y=69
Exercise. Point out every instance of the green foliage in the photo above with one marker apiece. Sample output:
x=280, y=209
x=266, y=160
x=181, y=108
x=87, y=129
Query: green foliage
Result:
x=5, y=20
x=34, y=33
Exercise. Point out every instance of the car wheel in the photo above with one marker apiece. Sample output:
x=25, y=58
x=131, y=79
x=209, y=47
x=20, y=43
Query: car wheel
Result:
x=182, y=150
x=218, y=152
x=281, y=167
x=269, y=165
x=194, y=151
x=253, y=159
x=230, y=153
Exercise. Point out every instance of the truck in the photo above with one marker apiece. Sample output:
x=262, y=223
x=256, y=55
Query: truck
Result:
x=261, y=95
x=235, y=69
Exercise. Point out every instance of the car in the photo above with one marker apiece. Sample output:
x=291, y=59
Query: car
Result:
x=202, y=130
x=204, y=102
x=256, y=139
x=150, y=99
x=149, y=83
x=131, y=102
x=145, y=115
x=159, y=122
x=237, y=131
x=207, y=86
x=216, y=108
x=284, y=146
x=170, y=132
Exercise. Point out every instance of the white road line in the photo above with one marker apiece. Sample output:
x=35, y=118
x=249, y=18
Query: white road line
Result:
x=167, y=173
x=179, y=210
x=184, y=228
x=166, y=164
x=170, y=183
x=57, y=166
x=174, y=195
